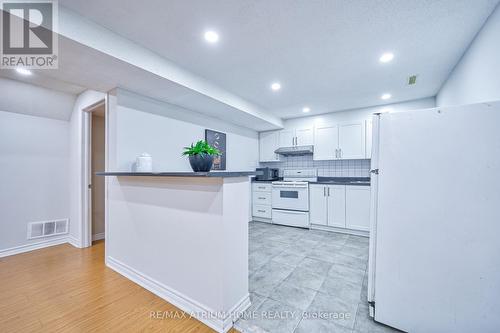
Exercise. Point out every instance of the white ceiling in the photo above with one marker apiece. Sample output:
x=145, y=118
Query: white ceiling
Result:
x=324, y=52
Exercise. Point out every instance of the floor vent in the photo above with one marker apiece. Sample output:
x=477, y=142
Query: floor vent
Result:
x=47, y=228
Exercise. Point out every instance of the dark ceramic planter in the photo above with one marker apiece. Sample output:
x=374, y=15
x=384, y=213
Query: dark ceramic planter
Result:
x=201, y=162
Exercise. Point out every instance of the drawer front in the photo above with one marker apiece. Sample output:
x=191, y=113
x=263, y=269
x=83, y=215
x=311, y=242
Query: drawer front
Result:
x=262, y=198
x=261, y=187
x=262, y=211
x=291, y=218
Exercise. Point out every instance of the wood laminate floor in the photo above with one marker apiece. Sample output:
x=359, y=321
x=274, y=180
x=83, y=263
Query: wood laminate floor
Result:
x=65, y=289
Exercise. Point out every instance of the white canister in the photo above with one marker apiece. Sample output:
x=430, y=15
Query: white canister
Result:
x=144, y=163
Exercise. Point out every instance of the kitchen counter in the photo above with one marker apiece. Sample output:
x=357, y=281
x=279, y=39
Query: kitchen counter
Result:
x=357, y=181
x=222, y=174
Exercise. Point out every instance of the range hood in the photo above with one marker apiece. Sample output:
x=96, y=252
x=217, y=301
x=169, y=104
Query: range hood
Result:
x=296, y=150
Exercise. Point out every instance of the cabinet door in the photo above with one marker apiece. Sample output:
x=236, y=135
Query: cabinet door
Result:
x=326, y=141
x=304, y=136
x=268, y=143
x=369, y=139
x=336, y=206
x=287, y=138
x=318, y=204
x=358, y=207
x=352, y=140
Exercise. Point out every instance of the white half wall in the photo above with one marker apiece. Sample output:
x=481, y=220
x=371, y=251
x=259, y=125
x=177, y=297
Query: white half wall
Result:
x=139, y=124
x=476, y=77
x=34, y=164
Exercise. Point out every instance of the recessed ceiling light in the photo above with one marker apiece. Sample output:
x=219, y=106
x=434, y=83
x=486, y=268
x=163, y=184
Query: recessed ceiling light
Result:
x=386, y=57
x=386, y=96
x=23, y=71
x=276, y=86
x=306, y=109
x=211, y=36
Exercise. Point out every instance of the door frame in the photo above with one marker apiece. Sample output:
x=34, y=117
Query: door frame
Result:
x=86, y=225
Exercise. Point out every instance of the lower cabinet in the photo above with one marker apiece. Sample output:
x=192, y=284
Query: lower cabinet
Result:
x=327, y=205
x=358, y=207
x=262, y=202
x=340, y=206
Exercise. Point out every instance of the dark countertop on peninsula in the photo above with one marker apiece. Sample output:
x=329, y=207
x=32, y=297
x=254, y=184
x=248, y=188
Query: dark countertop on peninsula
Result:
x=221, y=174
x=357, y=181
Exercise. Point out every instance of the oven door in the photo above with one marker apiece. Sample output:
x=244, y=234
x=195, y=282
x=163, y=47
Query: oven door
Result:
x=292, y=197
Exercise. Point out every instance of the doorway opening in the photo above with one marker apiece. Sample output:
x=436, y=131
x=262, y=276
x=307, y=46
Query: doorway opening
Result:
x=95, y=161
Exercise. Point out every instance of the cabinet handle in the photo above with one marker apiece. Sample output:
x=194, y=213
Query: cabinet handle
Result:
x=340, y=152
x=328, y=191
x=261, y=211
x=336, y=153
x=262, y=188
x=261, y=198
x=324, y=191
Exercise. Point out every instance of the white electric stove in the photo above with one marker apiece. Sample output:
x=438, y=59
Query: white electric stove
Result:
x=291, y=197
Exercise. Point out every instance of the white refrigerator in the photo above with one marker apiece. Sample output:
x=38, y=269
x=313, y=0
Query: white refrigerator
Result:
x=434, y=263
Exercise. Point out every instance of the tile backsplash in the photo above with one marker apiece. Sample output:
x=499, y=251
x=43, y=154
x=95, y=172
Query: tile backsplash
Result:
x=339, y=168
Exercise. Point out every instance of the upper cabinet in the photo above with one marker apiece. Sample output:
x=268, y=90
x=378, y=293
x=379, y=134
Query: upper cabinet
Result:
x=296, y=137
x=352, y=140
x=304, y=136
x=340, y=141
x=369, y=138
x=326, y=142
x=268, y=143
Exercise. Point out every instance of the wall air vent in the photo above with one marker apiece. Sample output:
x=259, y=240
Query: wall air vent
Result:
x=47, y=228
x=412, y=80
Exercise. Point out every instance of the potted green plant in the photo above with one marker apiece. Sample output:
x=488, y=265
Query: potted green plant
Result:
x=201, y=156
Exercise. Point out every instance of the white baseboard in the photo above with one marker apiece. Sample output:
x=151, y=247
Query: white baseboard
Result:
x=98, y=236
x=33, y=246
x=74, y=241
x=178, y=299
x=341, y=230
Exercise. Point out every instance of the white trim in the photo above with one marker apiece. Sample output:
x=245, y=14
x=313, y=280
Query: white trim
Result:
x=236, y=312
x=98, y=236
x=341, y=230
x=86, y=236
x=33, y=246
x=261, y=219
x=74, y=241
x=178, y=299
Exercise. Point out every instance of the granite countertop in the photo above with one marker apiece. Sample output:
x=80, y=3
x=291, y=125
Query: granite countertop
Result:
x=221, y=174
x=357, y=181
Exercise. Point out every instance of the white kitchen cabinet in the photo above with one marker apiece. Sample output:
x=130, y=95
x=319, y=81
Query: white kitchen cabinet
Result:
x=327, y=205
x=336, y=206
x=262, y=201
x=296, y=137
x=304, y=136
x=368, y=138
x=352, y=140
x=326, y=142
x=318, y=210
x=268, y=143
x=340, y=141
x=287, y=138
x=340, y=206
x=357, y=208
